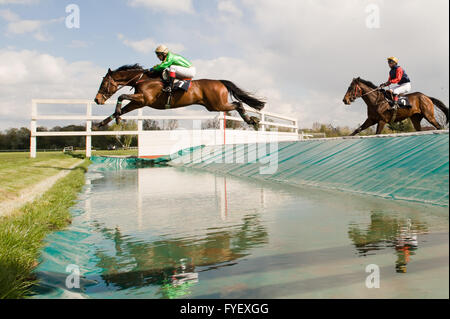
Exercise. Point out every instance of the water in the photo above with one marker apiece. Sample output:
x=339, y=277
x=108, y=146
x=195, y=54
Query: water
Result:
x=181, y=233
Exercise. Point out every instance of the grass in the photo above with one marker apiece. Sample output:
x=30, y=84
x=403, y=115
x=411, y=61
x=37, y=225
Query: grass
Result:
x=22, y=234
x=116, y=153
x=19, y=171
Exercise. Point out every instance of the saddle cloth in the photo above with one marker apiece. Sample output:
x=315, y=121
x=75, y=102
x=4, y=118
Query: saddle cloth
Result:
x=403, y=100
x=182, y=84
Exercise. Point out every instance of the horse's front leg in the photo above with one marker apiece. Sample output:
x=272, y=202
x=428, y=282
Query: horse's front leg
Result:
x=139, y=98
x=366, y=124
x=380, y=126
x=133, y=105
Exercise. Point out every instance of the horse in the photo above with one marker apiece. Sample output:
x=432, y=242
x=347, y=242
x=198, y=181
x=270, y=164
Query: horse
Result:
x=379, y=112
x=212, y=94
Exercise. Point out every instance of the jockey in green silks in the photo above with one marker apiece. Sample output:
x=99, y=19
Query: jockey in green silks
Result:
x=173, y=66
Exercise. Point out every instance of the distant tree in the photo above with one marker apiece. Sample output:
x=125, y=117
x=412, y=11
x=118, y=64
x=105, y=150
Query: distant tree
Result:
x=151, y=125
x=172, y=124
x=125, y=140
x=211, y=124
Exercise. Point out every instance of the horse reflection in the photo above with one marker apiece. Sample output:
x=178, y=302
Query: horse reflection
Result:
x=388, y=232
x=174, y=264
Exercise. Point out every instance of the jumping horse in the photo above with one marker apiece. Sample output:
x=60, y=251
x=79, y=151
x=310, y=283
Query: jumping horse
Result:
x=212, y=94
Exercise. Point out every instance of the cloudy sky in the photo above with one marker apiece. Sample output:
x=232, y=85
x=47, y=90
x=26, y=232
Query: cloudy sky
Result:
x=300, y=55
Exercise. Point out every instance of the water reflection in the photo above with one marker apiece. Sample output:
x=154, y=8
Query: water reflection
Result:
x=386, y=231
x=177, y=233
x=174, y=264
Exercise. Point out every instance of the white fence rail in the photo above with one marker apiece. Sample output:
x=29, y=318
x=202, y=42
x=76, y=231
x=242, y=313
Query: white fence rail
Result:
x=88, y=118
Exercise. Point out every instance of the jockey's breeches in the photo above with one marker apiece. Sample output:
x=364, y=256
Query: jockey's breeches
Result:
x=400, y=89
x=180, y=72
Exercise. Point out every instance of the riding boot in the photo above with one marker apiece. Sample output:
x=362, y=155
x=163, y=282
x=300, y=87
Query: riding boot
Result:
x=395, y=106
x=168, y=85
x=170, y=91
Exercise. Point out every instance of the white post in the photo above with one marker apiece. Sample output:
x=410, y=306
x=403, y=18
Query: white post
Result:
x=88, y=130
x=140, y=129
x=262, y=127
x=33, y=129
x=223, y=127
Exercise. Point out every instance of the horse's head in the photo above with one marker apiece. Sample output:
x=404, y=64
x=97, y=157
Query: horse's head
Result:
x=107, y=88
x=354, y=91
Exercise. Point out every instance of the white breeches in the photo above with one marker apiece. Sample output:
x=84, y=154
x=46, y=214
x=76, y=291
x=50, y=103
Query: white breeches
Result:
x=180, y=72
x=400, y=89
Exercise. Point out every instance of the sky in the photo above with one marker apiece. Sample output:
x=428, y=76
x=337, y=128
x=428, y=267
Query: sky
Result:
x=300, y=55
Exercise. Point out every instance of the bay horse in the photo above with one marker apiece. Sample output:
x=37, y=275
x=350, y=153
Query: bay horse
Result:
x=379, y=112
x=212, y=94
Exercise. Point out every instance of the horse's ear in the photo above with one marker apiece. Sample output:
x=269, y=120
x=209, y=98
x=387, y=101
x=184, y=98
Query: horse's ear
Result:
x=359, y=78
x=109, y=70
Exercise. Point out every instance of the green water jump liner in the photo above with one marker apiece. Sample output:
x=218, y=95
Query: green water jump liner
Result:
x=107, y=162
x=131, y=162
x=413, y=167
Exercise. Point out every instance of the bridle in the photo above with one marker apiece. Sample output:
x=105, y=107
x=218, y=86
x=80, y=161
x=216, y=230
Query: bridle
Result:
x=358, y=89
x=106, y=95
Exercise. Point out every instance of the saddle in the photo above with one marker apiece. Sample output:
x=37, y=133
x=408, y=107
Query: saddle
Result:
x=403, y=100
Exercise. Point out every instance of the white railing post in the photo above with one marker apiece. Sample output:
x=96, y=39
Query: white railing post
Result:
x=33, y=129
x=262, y=127
x=88, y=130
x=140, y=124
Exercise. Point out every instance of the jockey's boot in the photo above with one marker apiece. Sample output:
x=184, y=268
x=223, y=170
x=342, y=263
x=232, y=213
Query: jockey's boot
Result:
x=170, y=91
x=395, y=106
x=168, y=86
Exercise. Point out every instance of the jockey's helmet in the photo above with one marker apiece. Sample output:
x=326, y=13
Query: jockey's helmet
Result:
x=162, y=49
x=392, y=58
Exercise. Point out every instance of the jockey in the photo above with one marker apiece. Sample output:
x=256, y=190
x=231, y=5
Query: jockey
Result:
x=398, y=79
x=173, y=66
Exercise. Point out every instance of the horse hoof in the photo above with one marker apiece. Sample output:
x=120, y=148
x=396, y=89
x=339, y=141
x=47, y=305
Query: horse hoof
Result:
x=118, y=120
x=255, y=122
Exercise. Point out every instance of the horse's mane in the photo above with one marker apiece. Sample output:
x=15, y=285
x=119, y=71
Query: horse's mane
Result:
x=130, y=67
x=368, y=83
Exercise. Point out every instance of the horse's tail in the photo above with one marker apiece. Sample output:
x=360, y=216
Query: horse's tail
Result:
x=440, y=106
x=243, y=96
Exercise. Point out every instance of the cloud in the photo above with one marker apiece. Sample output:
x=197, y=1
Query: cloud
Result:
x=28, y=74
x=168, y=6
x=75, y=44
x=148, y=45
x=17, y=26
x=229, y=7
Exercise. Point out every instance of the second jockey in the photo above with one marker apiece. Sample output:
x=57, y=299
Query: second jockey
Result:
x=399, y=82
x=172, y=66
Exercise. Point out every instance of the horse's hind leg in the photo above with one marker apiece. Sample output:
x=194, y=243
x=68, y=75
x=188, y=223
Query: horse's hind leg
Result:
x=416, y=119
x=430, y=118
x=250, y=120
x=428, y=112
